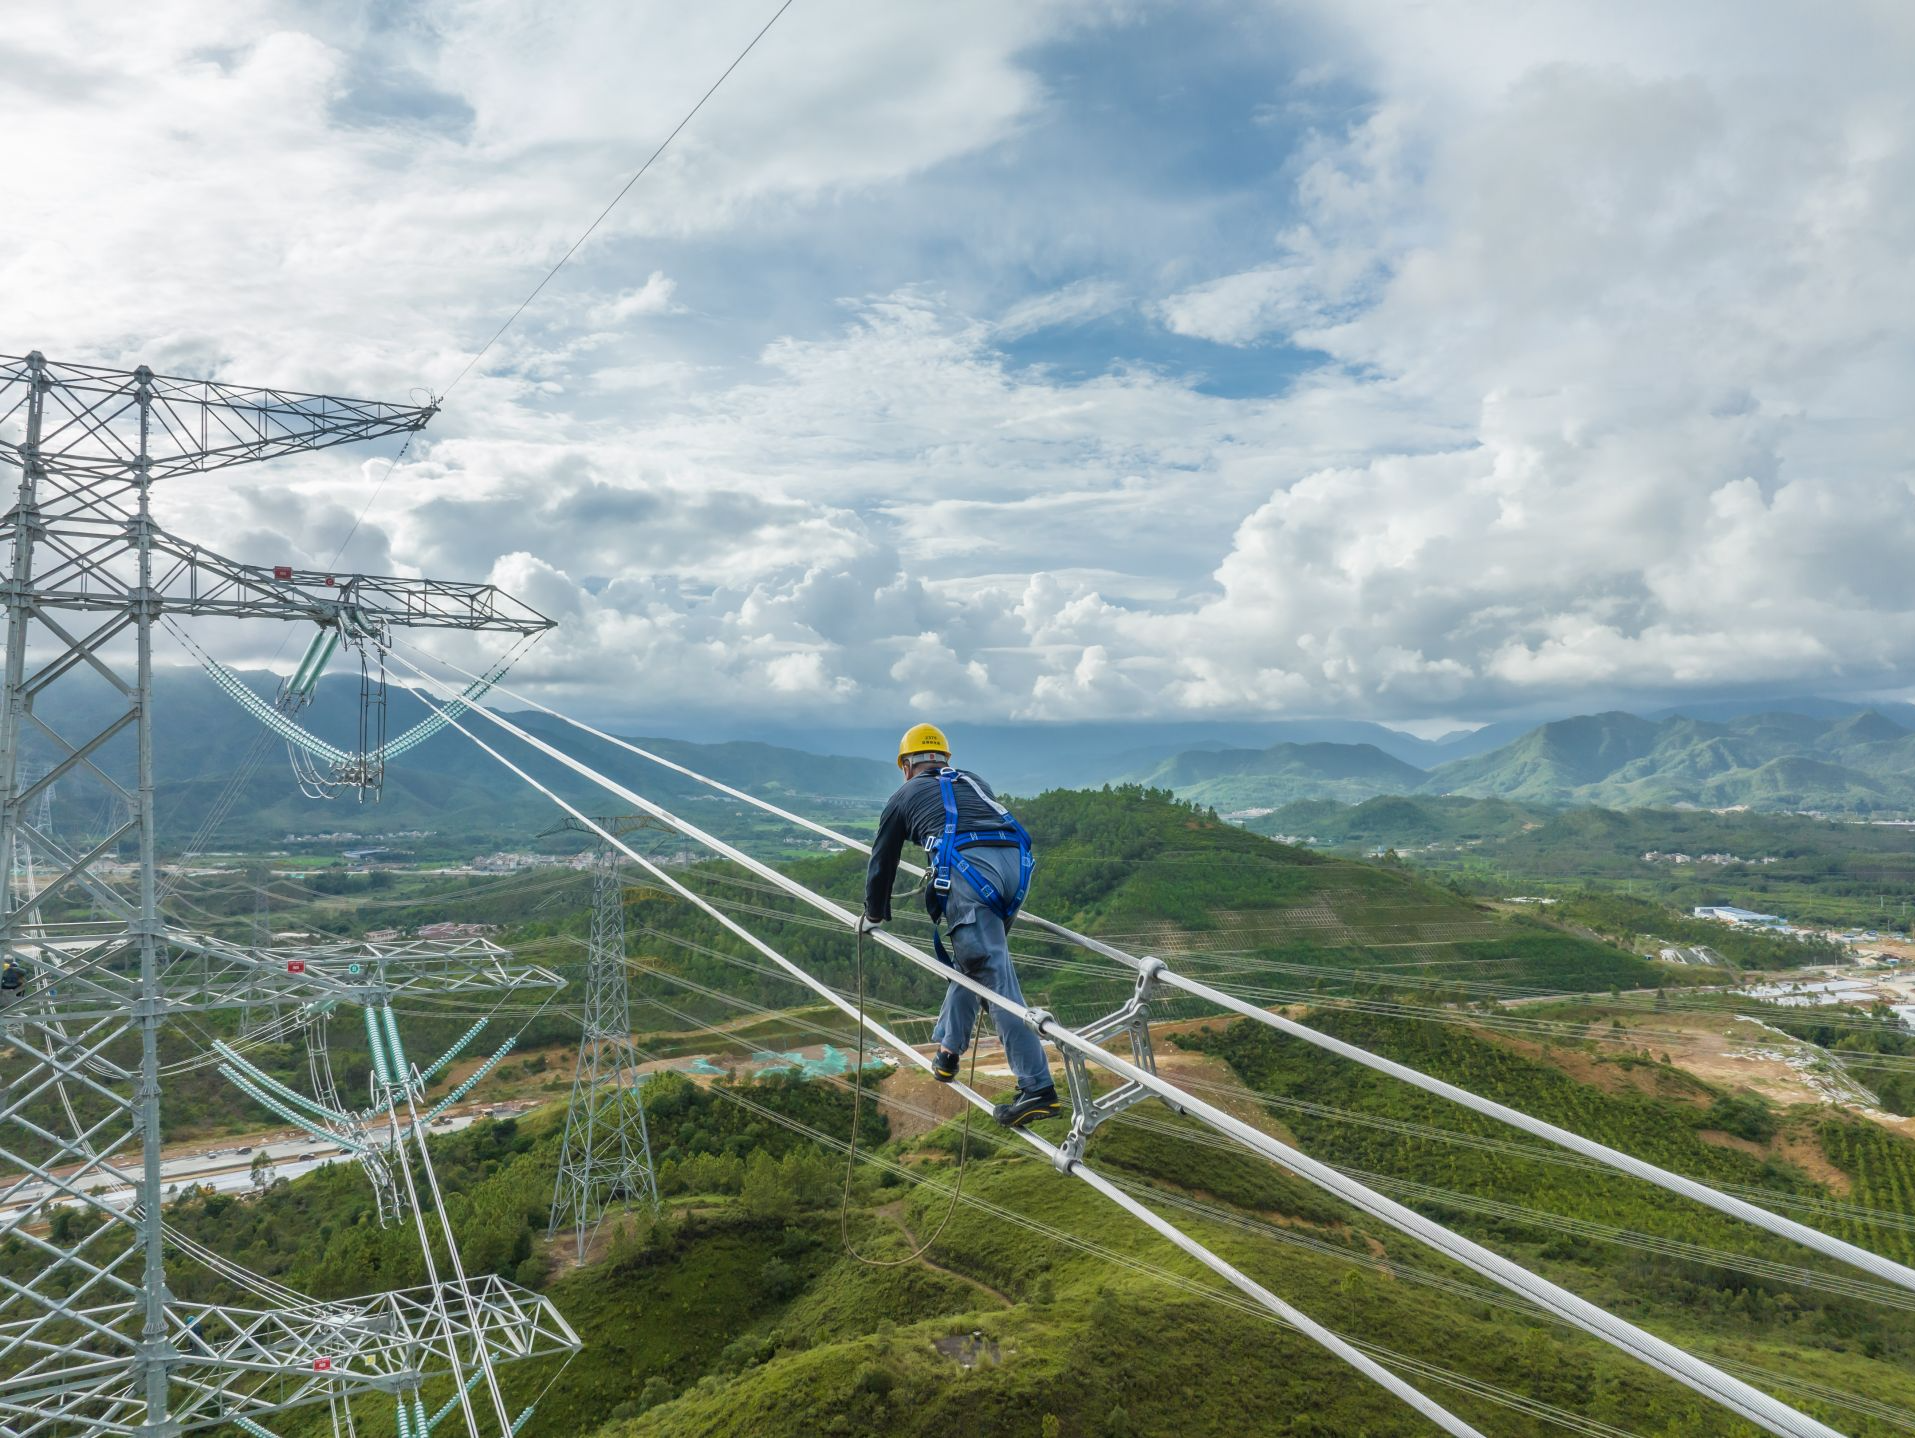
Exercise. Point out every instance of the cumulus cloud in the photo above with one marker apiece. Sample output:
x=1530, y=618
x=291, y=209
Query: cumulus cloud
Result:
x=1595, y=325
x=1236, y=309
x=654, y=297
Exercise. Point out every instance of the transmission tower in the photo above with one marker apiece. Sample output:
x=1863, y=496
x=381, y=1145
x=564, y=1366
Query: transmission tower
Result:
x=254, y=1018
x=607, y=1156
x=91, y=1337
x=25, y=873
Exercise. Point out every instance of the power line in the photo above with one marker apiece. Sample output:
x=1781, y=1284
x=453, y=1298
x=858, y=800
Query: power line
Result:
x=1671, y=1360
x=520, y=310
x=623, y=191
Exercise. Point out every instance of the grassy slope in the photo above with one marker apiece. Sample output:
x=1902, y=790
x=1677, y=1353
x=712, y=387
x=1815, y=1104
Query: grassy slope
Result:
x=743, y=1315
x=1090, y=1347
x=735, y=1320
x=1817, y=870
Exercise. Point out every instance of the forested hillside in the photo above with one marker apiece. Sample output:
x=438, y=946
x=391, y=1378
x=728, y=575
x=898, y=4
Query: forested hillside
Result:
x=741, y=1310
x=1807, y=868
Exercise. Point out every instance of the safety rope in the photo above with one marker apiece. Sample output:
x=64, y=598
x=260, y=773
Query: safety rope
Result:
x=857, y=1113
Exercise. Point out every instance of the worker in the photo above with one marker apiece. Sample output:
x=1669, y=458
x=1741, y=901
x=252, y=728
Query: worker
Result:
x=979, y=864
x=12, y=977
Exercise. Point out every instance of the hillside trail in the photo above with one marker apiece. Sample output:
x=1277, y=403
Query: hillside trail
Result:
x=894, y=1211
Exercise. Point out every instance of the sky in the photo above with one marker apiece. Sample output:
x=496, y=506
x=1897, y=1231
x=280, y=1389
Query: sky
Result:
x=1432, y=363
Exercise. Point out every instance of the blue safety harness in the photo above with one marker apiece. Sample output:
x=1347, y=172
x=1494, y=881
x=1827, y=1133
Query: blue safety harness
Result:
x=944, y=853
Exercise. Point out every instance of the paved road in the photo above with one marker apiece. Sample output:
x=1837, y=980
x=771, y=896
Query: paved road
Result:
x=225, y=1168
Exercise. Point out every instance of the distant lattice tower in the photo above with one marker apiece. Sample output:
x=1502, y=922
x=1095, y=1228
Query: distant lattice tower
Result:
x=607, y=1157
x=255, y=1018
x=24, y=870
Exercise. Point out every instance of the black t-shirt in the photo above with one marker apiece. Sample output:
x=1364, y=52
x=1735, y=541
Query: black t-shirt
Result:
x=916, y=813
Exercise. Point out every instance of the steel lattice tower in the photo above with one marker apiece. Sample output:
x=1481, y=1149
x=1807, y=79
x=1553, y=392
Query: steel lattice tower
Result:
x=91, y=1338
x=607, y=1156
x=253, y=1018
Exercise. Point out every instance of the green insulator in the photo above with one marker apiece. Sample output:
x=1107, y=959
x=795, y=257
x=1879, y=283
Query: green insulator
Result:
x=447, y=1407
x=302, y=672
x=419, y=1414
x=377, y=1046
x=395, y=1051
x=453, y=1053
x=313, y=663
x=405, y=1420
x=524, y=1418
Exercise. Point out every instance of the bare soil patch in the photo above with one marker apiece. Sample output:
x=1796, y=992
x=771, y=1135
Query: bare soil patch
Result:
x=1801, y=1148
x=906, y=1091
x=1604, y=1073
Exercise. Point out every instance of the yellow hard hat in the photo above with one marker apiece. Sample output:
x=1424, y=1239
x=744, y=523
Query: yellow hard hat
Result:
x=922, y=739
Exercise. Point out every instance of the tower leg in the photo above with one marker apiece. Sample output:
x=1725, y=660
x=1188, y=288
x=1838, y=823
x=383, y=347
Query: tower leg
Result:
x=156, y=1354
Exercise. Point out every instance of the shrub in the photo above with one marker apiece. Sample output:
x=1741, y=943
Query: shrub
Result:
x=779, y=1280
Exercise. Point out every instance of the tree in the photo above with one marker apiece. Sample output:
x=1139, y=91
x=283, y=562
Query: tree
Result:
x=262, y=1171
x=767, y=1191
x=778, y=1280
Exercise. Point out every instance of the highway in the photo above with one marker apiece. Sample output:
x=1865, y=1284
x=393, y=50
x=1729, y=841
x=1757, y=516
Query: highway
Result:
x=223, y=1168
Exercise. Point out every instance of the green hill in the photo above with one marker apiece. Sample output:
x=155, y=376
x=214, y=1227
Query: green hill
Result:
x=1163, y=877
x=1230, y=779
x=1858, y=763
x=1040, y=1310
x=1806, y=868
x=1552, y=760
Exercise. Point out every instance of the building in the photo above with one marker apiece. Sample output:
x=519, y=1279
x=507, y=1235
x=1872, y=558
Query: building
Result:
x=447, y=929
x=1730, y=914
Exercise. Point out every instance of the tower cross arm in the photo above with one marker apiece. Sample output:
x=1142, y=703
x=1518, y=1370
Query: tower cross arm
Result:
x=197, y=581
x=92, y=419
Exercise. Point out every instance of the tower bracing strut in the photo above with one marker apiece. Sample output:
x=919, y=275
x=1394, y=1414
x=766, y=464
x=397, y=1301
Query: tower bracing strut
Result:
x=607, y=1154
x=91, y=1337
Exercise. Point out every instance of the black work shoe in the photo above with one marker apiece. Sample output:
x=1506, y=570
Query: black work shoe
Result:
x=944, y=1067
x=1028, y=1106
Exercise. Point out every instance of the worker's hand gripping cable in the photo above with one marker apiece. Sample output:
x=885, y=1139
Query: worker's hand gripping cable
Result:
x=1741, y=1398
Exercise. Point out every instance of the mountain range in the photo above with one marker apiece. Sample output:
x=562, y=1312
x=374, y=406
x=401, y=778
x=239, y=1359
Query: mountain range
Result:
x=211, y=760
x=1859, y=761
